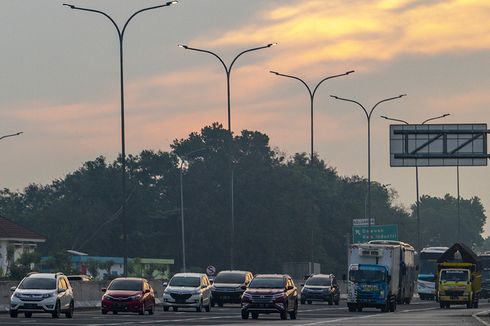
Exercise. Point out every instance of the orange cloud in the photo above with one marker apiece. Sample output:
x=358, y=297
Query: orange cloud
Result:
x=312, y=32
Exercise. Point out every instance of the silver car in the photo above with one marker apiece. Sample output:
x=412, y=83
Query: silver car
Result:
x=187, y=290
x=42, y=292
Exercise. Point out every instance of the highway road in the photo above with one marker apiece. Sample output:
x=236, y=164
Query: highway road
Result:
x=418, y=313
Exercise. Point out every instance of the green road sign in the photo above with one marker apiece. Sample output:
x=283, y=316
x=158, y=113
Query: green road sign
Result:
x=360, y=233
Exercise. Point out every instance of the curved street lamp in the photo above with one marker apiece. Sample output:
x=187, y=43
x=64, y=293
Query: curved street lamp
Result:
x=12, y=135
x=120, y=34
x=312, y=97
x=228, y=75
x=417, y=173
x=369, y=113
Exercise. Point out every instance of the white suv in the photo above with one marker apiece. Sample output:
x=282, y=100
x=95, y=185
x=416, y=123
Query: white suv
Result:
x=187, y=290
x=42, y=292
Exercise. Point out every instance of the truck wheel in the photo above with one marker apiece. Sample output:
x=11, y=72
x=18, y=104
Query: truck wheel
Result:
x=393, y=306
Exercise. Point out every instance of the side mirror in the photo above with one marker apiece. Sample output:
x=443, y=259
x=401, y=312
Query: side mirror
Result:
x=103, y=289
x=243, y=287
x=302, y=284
x=165, y=284
x=13, y=288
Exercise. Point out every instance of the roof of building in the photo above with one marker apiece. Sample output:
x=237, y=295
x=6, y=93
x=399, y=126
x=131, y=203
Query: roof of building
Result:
x=12, y=231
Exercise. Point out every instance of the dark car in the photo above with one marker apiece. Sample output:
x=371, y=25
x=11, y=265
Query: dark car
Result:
x=270, y=293
x=229, y=286
x=320, y=287
x=128, y=294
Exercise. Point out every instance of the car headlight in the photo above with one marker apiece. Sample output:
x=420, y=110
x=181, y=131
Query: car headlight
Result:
x=17, y=295
x=47, y=295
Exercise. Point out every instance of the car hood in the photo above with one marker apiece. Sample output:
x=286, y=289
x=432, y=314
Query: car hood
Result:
x=182, y=289
x=227, y=285
x=264, y=291
x=122, y=293
x=34, y=291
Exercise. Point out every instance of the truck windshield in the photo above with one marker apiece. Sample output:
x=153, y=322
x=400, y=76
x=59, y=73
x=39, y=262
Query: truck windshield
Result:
x=366, y=275
x=454, y=275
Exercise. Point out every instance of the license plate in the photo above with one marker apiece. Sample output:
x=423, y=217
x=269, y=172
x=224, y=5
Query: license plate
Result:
x=30, y=306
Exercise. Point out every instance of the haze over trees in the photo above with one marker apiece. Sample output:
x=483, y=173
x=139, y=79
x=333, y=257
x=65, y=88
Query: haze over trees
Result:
x=286, y=209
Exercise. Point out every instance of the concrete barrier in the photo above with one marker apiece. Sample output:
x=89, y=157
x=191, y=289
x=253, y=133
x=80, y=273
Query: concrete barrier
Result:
x=87, y=294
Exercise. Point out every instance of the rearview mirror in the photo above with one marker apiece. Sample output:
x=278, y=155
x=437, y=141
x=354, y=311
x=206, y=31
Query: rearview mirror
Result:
x=13, y=288
x=165, y=284
x=103, y=289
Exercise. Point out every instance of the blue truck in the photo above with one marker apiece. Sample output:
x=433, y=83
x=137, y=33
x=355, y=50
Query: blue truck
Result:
x=380, y=275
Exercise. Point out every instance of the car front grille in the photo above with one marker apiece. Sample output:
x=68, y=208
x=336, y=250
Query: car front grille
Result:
x=180, y=297
x=261, y=298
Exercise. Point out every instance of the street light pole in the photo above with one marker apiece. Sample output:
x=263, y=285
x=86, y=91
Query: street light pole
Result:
x=183, y=159
x=12, y=135
x=228, y=92
x=120, y=33
x=368, y=117
x=312, y=98
x=417, y=205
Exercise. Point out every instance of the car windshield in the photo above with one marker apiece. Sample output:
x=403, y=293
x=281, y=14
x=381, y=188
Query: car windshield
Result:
x=267, y=283
x=126, y=285
x=366, y=275
x=454, y=275
x=319, y=281
x=38, y=283
x=230, y=278
x=185, y=281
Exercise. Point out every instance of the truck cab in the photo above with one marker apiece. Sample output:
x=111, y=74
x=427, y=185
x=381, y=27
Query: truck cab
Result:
x=455, y=287
x=368, y=286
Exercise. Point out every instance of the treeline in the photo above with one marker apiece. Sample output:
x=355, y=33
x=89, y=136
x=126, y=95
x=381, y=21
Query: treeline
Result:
x=286, y=209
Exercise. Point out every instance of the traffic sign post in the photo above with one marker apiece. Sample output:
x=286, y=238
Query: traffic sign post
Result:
x=360, y=234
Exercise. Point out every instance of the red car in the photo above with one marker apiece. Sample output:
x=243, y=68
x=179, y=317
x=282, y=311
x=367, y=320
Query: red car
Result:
x=128, y=294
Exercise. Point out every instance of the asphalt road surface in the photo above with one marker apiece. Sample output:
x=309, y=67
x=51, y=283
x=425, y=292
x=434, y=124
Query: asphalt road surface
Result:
x=418, y=313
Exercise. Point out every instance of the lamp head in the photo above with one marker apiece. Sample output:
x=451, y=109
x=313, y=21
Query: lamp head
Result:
x=400, y=96
x=274, y=72
x=68, y=5
x=183, y=46
x=171, y=2
x=350, y=72
x=445, y=115
x=271, y=44
x=335, y=97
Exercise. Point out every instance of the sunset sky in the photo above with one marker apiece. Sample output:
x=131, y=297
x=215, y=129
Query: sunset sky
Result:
x=59, y=80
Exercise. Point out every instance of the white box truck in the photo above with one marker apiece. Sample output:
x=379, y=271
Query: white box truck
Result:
x=380, y=275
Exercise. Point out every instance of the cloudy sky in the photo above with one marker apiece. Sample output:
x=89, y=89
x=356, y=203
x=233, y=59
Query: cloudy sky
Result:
x=59, y=80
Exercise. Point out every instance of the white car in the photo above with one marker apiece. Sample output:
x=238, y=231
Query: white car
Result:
x=187, y=290
x=42, y=292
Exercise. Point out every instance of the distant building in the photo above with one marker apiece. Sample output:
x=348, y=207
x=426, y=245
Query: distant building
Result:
x=16, y=239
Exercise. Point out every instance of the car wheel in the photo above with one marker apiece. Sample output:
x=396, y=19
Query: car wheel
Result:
x=284, y=315
x=352, y=309
x=199, y=308
x=245, y=314
x=165, y=308
x=175, y=308
x=309, y=301
x=359, y=309
x=303, y=301
x=212, y=303
x=152, y=309
x=255, y=315
x=28, y=314
x=13, y=314
x=114, y=312
x=69, y=313
x=56, y=312
x=104, y=312
x=330, y=302
x=220, y=304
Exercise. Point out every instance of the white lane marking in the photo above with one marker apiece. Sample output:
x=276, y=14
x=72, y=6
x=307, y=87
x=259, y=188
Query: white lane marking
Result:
x=476, y=316
x=164, y=320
